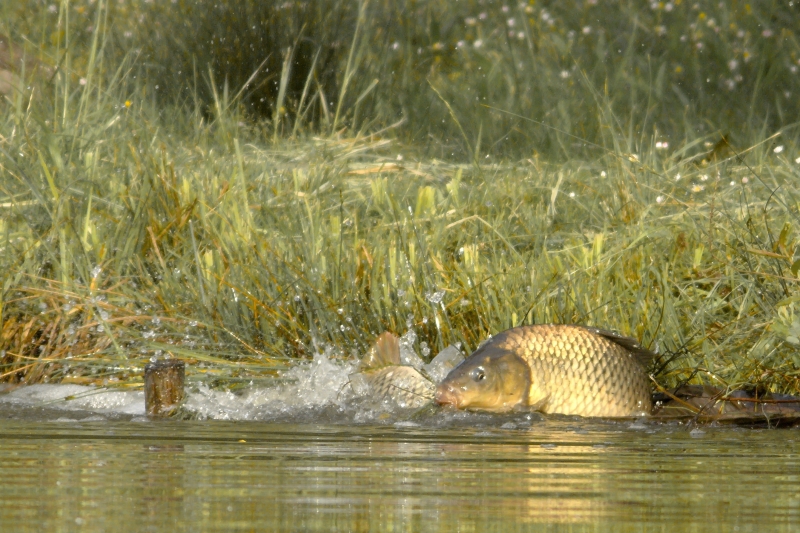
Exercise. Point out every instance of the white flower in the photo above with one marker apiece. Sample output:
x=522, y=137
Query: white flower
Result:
x=659, y=199
x=778, y=149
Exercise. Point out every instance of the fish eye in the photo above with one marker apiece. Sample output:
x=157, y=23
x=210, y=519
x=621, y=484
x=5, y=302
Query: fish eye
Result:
x=477, y=374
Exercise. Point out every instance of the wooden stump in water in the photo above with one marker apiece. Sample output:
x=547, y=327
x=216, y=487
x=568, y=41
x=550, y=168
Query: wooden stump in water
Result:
x=163, y=387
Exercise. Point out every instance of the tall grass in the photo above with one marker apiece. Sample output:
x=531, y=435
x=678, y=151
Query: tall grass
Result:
x=242, y=238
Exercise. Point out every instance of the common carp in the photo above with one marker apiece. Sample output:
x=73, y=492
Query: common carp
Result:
x=572, y=370
x=383, y=376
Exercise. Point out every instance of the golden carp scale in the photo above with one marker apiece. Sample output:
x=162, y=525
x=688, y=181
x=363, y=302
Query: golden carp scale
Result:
x=386, y=379
x=402, y=385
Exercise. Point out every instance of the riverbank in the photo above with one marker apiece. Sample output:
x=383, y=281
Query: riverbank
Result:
x=134, y=227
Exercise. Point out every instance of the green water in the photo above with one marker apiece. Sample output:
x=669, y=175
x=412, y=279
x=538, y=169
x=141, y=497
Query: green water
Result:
x=555, y=475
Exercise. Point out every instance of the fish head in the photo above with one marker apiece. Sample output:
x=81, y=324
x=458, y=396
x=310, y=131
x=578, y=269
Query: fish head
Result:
x=491, y=379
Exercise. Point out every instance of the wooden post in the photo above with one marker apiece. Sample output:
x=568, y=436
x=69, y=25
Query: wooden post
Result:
x=163, y=387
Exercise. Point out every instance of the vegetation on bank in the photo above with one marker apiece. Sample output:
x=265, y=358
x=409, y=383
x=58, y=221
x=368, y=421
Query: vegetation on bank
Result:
x=472, y=167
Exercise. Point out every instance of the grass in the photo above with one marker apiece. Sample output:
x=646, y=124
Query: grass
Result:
x=141, y=219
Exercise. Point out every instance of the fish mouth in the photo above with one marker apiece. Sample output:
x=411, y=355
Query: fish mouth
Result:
x=446, y=395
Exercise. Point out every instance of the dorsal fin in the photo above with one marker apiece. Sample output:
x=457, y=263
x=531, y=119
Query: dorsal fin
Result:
x=385, y=352
x=639, y=352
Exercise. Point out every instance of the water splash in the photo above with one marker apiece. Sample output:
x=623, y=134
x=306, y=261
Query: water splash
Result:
x=325, y=389
x=307, y=387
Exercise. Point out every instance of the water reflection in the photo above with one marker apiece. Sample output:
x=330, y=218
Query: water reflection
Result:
x=216, y=476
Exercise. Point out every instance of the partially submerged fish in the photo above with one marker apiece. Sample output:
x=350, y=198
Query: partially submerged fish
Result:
x=383, y=376
x=572, y=370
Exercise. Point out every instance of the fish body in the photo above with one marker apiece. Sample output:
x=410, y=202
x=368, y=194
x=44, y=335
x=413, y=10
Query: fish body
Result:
x=382, y=377
x=403, y=386
x=572, y=370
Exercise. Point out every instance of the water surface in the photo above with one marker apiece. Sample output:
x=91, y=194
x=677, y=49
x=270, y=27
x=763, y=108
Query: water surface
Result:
x=89, y=472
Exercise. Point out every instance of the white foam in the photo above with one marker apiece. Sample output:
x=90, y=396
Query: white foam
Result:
x=408, y=356
x=77, y=397
x=443, y=363
x=320, y=383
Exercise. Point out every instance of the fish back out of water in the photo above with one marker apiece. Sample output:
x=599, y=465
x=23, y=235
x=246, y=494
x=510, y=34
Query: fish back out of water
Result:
x=572, y=370
x=382, y=376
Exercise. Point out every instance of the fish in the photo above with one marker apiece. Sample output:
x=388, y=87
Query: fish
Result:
x=384, y=378
x=565, y=369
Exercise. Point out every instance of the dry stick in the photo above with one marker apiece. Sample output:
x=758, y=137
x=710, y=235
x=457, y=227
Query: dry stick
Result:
x=661, y=389
x=18, y=370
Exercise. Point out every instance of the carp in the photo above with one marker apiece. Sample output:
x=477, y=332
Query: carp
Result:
x=404, y=381
x=383, y=376
x=571, y=370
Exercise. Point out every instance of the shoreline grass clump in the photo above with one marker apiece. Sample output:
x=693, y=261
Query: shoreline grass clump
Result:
x=681, y=69
x=604, y=72
x=136, y=227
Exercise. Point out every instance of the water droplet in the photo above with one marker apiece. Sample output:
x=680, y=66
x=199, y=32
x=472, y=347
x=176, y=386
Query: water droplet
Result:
x=435, y=297
x=426, y=351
